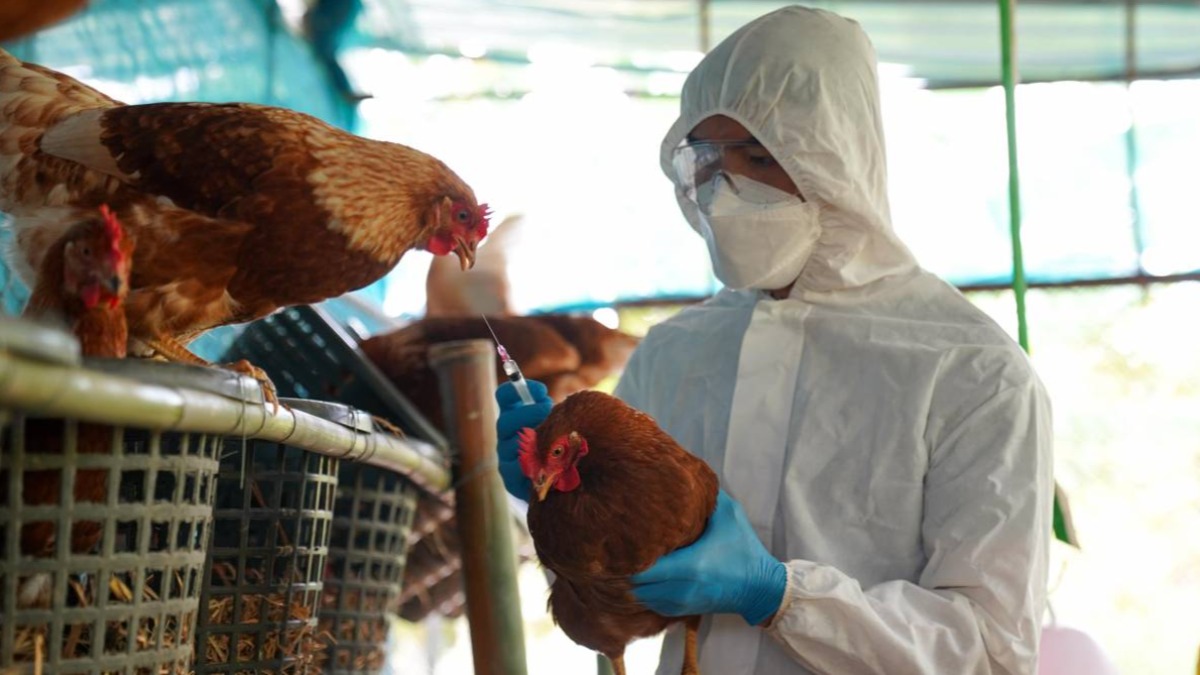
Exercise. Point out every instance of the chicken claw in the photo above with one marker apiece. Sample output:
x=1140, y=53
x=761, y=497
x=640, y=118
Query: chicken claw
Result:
x=172, y=350
x=691, y=652
x=244, y=367
x=388, y=426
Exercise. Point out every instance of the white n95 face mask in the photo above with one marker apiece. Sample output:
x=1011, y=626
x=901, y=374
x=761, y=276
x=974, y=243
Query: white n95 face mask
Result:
x=758, y=236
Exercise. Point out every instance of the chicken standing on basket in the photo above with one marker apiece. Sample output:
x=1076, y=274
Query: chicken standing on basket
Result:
x=238, y=209
x=81, y=284
x=612, y=493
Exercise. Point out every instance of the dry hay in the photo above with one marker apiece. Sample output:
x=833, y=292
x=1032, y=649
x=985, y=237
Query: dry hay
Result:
x=30, y=641
x=299, y=643
x=364, y=632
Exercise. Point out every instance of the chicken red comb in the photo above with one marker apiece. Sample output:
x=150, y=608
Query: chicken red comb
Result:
x=112, y=227
x=527, y=446
x=485, y=214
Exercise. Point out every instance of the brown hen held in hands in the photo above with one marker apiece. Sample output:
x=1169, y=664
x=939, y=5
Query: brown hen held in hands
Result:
x=238, y=209
x=614, y=493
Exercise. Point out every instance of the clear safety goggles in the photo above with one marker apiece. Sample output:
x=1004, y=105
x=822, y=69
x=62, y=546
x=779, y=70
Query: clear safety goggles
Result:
x=696, y=163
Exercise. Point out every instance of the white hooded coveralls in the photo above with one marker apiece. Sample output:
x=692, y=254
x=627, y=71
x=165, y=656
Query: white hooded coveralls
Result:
x=887, y=440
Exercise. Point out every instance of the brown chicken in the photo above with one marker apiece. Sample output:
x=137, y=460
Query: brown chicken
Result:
x=549, y=348
x=614, y=493
x=19, y=18
x=603, y=351
x=238, y=209
x=82, y=283
x=403, y=354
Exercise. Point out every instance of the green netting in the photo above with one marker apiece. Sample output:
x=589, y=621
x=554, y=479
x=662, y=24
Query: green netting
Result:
x=1076, y=178
x=187, y=50
x=190, y=50
x=12, y=293
x=946, y=43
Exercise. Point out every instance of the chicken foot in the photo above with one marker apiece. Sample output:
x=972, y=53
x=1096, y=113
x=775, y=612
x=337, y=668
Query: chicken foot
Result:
x=691, y=660
x=173, y=350
x=388, y=426
x=690, y=653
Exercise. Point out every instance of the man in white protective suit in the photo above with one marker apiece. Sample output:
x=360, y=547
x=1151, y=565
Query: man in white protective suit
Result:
x=884, y=448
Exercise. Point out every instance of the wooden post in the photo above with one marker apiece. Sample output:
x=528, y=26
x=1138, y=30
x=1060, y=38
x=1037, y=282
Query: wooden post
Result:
x=466, y=372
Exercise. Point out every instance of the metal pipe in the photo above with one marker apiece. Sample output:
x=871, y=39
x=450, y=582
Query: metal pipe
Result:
x=466, y=372
x=1142, y=280
x=1131, y=144
x=59, y=390
x=1123, y=280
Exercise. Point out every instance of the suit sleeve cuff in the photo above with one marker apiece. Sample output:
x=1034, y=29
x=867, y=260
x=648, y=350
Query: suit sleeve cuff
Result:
x=791, y=592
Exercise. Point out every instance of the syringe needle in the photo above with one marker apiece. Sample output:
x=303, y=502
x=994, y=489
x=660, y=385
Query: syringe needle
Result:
x=510, y=367
x=489, y=327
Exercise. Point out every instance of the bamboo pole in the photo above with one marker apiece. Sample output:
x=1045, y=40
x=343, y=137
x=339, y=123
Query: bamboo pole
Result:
x=466, y=372
x=1010, y=76
x=1064, y=530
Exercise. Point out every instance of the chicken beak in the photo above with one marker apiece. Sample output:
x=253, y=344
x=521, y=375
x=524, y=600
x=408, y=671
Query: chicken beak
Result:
x=466, y=253
x=542, y=485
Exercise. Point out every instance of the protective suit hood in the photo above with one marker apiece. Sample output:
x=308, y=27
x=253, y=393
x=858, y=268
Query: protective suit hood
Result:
x=803, y=81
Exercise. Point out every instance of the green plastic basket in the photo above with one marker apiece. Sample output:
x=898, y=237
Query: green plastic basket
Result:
x=263, y=577
x=307, y=354
x=127, y=513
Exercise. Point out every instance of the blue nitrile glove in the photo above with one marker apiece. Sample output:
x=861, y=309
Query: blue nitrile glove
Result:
x=726, y=570
x=514, y=416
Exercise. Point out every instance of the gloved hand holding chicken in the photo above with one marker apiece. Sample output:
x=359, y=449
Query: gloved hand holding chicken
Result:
x=727, y=570
x=610, y=493
x=515, y=416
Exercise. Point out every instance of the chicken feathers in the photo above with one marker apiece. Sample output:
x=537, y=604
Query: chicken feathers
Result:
x=238, y=209
x=81, y=284
x=613, y=494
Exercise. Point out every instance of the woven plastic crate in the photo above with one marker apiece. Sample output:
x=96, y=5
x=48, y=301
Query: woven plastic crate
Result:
x=263, y=578
x=127, y=601
x=372, y=522
x=372, y=518
x=307, y=354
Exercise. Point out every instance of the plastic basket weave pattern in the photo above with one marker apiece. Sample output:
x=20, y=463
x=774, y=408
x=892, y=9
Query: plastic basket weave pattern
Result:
x=127, y=603
x=372, y=520
x=263, y=580
x=308, y=355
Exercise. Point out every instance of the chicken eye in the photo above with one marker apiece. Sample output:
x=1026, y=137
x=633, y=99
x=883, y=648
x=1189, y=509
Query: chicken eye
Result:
x=463, y=216
x=556, y=452
x=86, y=250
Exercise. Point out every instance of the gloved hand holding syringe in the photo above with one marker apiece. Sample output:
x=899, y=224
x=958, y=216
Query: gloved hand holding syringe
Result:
x=511, y=370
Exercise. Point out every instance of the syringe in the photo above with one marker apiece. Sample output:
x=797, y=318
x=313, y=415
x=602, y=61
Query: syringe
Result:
x=510, y=368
